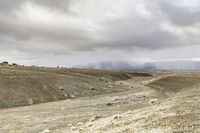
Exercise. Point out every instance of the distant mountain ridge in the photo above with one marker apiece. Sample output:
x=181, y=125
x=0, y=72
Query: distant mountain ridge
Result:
x=158, y=65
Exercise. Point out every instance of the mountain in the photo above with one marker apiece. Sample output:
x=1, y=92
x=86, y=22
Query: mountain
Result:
x=157, y=65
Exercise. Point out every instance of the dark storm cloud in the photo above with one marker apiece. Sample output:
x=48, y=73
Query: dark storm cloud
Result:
x=180, y=15
x=38, y=37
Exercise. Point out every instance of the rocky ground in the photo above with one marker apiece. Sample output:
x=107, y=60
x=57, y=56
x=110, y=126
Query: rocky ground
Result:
x=21, y=85
x=164, y=102
x=178, y=113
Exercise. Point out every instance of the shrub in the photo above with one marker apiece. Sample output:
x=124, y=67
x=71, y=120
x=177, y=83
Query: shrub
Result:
x=14, y=64
x=4, y=63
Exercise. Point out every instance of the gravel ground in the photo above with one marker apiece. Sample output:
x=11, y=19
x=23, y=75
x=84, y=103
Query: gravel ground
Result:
x=141, y=109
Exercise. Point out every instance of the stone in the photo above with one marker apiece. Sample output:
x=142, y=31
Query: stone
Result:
x=109, y=104
x=46, y=131
x=30, y=101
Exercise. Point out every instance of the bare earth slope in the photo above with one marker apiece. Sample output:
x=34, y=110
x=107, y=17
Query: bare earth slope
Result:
x=178, y=113
x=20, y=86
x=105, y=101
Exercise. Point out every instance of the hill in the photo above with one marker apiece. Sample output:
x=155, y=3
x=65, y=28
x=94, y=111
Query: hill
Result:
x=20, y=85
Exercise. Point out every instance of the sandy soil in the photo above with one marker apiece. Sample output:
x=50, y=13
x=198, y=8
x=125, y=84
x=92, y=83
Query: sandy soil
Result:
x=145, y=107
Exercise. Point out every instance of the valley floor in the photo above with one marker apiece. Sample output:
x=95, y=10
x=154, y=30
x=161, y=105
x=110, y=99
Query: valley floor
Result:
x=150, y=105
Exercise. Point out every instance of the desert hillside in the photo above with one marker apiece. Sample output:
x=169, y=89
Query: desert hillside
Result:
x=20, y=85
x=61, y=100
x=177, y=113
x=99, y=66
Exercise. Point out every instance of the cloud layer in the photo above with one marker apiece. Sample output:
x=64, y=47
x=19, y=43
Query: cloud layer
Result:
x=83, y=31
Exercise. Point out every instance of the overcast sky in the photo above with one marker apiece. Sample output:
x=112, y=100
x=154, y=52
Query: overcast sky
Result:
x=74, y=32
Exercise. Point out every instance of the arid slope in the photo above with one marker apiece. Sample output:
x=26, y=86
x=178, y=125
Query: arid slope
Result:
x=104, y=101
x=178, y=113
x=20, y=86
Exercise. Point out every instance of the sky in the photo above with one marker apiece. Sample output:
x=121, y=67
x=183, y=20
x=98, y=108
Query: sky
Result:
x=76, y=32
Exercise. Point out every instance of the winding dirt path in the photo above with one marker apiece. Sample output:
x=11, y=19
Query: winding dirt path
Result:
x=68, y=115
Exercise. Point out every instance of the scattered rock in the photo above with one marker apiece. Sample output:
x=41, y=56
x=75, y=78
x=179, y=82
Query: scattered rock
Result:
x=109, y=104
x=46, y=131
x=30, y=101
x=140, y=97
x=79, y=124
x=95, y=118
x=89, y=125
x=69, y=125
x=61, y=88
x=76, y=85
x=100, y=79
x=120, y=83
x=80, y=130
x=69, y=96
x=117, y=117
x=62, y=108
x=92, y=88
x=73, y=128
x=116, y=99
x=103, y=79
x=178, y=132
x=152, y=101
x=100, y=106
x=129, y=112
